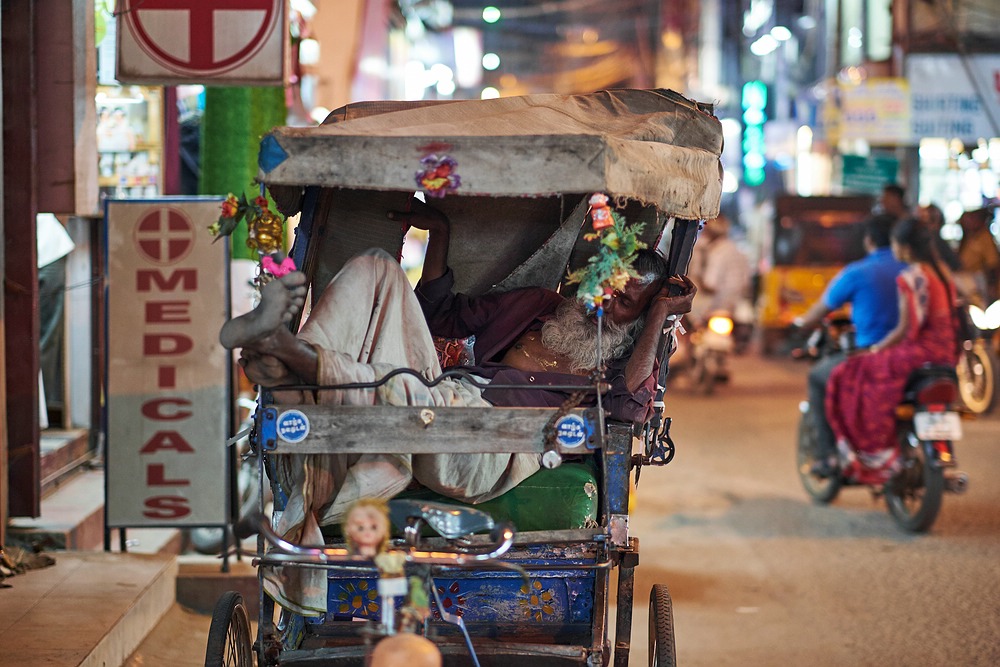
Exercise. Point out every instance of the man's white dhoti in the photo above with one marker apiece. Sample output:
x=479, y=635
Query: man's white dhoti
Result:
x=367, y=323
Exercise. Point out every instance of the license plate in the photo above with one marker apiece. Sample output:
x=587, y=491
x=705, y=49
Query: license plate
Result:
x=937, y=425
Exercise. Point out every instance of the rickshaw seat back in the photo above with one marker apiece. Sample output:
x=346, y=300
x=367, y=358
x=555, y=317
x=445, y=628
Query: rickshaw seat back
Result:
x=497, y=244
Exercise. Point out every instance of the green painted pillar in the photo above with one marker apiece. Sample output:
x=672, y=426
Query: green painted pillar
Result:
x=235, y=120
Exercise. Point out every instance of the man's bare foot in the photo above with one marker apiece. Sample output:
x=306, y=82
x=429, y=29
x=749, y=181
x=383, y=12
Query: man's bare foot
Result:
x=280, y=300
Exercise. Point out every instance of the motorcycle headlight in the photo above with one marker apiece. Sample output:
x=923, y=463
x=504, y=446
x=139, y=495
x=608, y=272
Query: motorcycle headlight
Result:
x=986, y=320
x=720, y=324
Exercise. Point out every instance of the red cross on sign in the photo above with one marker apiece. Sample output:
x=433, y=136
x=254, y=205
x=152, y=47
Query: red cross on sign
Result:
x=164, y=236
x=201, y=41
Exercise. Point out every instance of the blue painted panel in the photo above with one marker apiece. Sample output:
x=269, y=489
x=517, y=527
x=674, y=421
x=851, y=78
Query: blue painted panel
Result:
x=549, y=596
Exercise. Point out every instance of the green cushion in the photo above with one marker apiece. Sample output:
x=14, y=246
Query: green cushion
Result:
x=552, y=499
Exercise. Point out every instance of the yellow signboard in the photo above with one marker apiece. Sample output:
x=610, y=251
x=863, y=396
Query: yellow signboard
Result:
x=876, y=110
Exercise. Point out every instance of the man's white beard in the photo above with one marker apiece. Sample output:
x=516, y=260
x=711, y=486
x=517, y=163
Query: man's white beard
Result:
x=572, y=334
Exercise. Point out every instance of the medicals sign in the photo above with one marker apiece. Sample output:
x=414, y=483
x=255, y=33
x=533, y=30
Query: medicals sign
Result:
x=167, y=400
x=241, y=42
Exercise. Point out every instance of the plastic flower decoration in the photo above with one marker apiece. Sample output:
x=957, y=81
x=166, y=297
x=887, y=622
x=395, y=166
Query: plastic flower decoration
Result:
x=437, y=175
x=610, y=268
x=264, y=226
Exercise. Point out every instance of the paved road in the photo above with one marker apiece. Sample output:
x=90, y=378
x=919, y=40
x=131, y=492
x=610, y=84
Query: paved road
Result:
x=759, y=575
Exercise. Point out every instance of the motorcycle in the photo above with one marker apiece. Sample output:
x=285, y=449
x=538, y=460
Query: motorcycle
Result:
x=711, y=346
x=978, y=365
x=927, y=425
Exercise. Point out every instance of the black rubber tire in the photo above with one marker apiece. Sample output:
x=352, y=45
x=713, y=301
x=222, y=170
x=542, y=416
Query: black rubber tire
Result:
x=229, y=640
x=821, y=490
x=662, y=646
x=977, y=378
x=914, y=495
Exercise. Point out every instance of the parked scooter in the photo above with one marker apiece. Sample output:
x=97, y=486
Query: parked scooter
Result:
x=211, y=540
x=977, y=366
x=927, y=425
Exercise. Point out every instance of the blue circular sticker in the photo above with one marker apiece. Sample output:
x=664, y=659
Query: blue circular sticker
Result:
x=571, y=431
x=293, y=426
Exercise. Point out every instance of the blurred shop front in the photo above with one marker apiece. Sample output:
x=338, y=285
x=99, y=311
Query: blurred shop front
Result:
x=956, y=120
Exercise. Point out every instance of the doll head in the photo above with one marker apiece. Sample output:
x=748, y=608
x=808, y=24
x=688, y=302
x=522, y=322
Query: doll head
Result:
x=366, y=526
x=406, y=649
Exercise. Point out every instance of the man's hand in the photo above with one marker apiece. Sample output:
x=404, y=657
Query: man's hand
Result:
x=265, y=370
x=675, y=297
x=422, y=216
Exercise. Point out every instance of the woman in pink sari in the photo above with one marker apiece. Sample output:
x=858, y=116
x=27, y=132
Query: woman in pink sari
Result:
x=864, y=391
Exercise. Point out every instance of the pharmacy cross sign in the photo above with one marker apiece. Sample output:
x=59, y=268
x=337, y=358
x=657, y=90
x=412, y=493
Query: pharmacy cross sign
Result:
x=201, y=38
x=164, y=236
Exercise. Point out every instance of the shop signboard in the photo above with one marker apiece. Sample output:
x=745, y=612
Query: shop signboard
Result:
x=215, y=42
x=868, y=174
x=167, y=391
x=954, y=96
x=876, y=110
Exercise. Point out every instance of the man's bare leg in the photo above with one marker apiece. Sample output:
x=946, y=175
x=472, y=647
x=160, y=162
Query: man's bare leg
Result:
x=280, y=301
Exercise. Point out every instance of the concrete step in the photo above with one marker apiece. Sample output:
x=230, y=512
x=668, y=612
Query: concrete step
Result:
x=73, y=519
x=62, y=455
x=90, y=609
x=201, y=582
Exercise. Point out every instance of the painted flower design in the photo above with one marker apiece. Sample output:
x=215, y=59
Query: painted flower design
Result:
x=357, y=598
x=438, y=177
x=452, y=599
x=536, y=603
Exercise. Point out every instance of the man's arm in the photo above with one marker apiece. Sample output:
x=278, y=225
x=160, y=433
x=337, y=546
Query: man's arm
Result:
x=641, y=362
x=813, y=316
x=438, y=227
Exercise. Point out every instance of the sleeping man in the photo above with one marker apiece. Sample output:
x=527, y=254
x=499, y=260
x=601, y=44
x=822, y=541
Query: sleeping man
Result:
x=368, y=321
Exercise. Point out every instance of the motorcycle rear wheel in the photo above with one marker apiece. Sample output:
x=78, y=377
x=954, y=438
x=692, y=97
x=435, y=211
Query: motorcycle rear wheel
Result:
x=704, y=372
x=977, y=377
x=822, y=489
x=914, y=494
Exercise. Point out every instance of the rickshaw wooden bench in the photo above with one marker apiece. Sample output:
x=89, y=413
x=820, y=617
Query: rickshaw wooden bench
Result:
x=527, y=166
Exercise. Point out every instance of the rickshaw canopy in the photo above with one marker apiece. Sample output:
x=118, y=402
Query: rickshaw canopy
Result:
x=652, y=146
x=520, y=171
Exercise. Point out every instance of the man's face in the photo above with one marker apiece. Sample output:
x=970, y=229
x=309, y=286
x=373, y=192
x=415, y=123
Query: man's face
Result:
x=630, y=303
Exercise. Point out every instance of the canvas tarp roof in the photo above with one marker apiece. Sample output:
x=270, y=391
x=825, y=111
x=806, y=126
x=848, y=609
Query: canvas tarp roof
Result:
x=652, y=146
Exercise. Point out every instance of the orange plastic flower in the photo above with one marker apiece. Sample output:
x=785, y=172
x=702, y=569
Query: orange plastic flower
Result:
x=230, y=206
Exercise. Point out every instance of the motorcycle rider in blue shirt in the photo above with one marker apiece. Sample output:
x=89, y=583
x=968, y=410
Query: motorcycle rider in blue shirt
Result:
x=869, y=285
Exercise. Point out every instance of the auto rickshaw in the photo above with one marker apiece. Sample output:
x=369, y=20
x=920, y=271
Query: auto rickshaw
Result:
x=525, y=578
x=812, y=239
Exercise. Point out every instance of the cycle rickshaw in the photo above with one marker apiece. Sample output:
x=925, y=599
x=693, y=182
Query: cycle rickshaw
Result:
x=526, y=168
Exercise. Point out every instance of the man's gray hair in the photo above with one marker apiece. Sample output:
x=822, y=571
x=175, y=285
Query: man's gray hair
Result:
x=650, y=266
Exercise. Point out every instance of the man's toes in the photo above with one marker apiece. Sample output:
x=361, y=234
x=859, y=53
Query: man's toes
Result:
x=293, y=280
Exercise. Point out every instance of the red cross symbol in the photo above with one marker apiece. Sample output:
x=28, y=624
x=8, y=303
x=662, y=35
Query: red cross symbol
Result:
x=201, y=31
x=164, y=236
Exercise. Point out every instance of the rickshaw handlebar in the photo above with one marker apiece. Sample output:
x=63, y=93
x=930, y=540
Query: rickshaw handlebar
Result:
x=501, y=540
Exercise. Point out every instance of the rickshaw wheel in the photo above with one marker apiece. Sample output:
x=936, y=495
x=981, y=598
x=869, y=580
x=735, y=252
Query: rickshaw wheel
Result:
x=662, y=648
x=229, y=641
